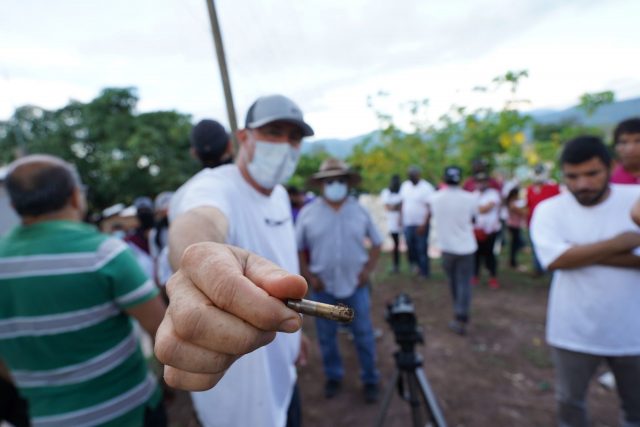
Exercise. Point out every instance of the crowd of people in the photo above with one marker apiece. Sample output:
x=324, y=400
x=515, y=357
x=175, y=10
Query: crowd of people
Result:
x=205, y=271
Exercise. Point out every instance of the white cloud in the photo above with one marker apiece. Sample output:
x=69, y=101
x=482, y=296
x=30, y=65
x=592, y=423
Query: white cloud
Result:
x=327, y=55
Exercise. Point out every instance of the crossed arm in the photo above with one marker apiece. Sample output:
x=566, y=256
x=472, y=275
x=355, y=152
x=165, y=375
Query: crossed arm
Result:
x=616, y=252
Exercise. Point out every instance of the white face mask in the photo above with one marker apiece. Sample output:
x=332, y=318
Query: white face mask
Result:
x=273, y=163
x=335, y=191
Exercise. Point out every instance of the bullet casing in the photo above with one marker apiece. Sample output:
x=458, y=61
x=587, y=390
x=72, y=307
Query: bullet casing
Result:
x=340, y=313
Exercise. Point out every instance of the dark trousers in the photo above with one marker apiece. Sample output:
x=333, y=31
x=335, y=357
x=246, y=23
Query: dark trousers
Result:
x=516, y=244
x=459, y=270
x=485, y=253
x=574, y=372
x=396, y=250
x=155, y=417
x=13, y=408
x=294, y=413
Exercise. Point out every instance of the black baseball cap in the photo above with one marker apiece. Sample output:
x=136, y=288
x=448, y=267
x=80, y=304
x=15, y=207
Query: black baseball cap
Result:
x=209, y=138
x=452, y=175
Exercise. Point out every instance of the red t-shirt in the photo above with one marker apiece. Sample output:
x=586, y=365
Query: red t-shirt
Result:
x=537, y=193
x=471, y=185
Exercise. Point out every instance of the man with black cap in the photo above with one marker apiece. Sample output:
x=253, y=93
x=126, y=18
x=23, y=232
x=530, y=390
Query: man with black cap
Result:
x=331, y=232
x=453, y=210
x=210, y=144
x=225, y=299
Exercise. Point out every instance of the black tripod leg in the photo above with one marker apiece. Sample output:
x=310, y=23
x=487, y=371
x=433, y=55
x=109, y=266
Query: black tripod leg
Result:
x=414, y=398
x=388, y=394
x=430, y=399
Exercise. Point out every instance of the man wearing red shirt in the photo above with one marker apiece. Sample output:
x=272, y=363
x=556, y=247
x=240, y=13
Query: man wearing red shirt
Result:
x=542, y=188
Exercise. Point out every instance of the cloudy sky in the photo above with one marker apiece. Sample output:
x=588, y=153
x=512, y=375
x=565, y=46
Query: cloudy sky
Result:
x=328, y=55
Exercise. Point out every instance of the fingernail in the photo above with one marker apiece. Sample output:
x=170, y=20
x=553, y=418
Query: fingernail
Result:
x=290, y=325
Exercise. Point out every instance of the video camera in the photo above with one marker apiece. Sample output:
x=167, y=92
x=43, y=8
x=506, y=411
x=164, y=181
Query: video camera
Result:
x=401, y=316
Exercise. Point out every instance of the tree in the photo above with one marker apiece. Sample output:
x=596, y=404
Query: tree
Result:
x=591, y=102
x=119, y=154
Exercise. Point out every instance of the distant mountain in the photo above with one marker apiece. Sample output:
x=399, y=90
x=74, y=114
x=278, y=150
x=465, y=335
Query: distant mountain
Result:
x=606, y=116
x=340, y=148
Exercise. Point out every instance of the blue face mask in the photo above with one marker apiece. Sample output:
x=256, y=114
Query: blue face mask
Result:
x=335, y=191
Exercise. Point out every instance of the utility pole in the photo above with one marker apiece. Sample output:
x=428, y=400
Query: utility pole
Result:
x=224, y=74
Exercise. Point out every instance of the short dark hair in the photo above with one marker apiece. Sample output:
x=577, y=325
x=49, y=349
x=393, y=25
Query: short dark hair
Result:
x=209, y=139
x=584, y=148
x=40, y=184
x=631, y=125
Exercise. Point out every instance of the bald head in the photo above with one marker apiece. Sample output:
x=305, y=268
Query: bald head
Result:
x=41, y=185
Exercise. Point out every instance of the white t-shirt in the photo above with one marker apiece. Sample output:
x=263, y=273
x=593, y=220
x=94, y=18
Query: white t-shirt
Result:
x=256, y=390
x=415, y=202
x=393, y=217
x=489, y=221
x=594, y=309
x=453, y=210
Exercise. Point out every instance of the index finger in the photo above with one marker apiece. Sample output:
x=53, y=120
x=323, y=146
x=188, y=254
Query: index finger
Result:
x=245, y=285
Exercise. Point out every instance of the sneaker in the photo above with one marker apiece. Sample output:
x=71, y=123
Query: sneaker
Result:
x=493, y=283
x=475, y=281
x=371, y=393
x=457, y=327
x=332, y=388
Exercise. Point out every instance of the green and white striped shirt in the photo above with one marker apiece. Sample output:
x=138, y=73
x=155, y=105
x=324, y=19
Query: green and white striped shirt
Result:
x=64, y=334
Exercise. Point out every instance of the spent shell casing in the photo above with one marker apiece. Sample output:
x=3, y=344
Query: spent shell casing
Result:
x=340, y=312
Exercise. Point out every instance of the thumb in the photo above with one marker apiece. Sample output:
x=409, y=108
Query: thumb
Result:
x=273, y=279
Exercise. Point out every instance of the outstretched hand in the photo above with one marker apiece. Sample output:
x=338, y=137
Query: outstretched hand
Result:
x=224, y=302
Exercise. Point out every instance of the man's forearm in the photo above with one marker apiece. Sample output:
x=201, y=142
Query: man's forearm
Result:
x=374, y=255
x=205, y=224
x=627, y=260
x=593, y=253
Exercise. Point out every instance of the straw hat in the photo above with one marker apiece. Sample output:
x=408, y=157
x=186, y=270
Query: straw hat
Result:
x=332, y=168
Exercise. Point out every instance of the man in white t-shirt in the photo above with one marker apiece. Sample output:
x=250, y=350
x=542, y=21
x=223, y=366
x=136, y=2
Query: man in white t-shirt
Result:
x=392, y=202
x=487, y=227
x=218, y=311
x=587, y=238
x=415, y=194
x=453, y=210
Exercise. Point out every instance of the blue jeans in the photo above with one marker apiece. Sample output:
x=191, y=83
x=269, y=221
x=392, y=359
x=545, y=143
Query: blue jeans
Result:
x=417, y=246
x=362, y=330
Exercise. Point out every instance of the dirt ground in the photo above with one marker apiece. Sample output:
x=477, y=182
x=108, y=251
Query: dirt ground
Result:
x=500, y=374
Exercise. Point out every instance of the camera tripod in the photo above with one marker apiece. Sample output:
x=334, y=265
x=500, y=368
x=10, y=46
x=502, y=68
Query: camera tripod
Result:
x=409, y=371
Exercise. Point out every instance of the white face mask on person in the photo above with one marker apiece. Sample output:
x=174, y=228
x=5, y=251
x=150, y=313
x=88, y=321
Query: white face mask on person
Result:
x=273, y=163
x=335, y=191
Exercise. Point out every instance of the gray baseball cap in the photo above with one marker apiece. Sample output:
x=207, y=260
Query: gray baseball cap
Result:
x=274, y=108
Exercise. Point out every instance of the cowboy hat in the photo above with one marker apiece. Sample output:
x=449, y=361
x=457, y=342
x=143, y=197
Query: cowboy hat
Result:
x=332, y=168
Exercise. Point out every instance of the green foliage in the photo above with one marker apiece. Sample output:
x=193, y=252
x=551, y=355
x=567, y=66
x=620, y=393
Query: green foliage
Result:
x=307, y=166
x=591, y=102
x=119, y=154
x=507, y=138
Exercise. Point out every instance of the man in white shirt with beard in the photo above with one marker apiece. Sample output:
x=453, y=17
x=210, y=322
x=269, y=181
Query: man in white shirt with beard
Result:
x=587, y=238
x=243, y=205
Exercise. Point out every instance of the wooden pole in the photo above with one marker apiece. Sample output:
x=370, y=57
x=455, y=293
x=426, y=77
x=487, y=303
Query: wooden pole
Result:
x=224, y=73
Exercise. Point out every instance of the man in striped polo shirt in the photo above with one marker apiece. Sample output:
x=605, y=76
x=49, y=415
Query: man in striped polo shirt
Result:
x=68, y=295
